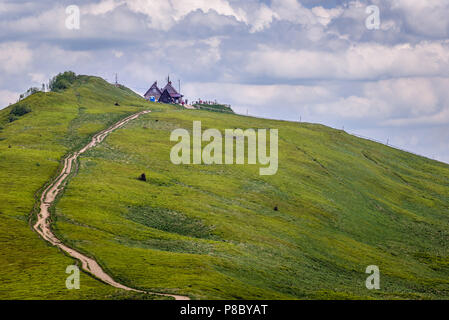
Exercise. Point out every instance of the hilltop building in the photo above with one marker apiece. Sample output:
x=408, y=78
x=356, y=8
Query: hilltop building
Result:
x=168, y=94
x=153, y=93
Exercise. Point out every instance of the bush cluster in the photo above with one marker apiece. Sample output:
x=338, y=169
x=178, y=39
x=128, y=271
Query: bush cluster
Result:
x=62, y=81
x=18, y=111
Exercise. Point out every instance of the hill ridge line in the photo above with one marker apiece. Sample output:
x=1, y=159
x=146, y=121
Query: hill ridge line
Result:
x=50, y=193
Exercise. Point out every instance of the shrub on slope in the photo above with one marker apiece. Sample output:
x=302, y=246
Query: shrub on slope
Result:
x=18, y=111
x=62, y=81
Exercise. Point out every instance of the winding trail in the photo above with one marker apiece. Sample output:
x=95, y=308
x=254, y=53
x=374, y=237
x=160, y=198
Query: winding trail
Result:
x=43, y=225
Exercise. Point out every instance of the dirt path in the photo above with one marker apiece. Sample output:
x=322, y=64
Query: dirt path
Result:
x=43, y=227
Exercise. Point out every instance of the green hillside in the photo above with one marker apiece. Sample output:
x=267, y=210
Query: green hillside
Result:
x=30, y=151
x=211, y=231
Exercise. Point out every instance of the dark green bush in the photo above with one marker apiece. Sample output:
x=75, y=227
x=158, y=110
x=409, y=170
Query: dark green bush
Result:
x=12, y=118
x=32, y=90
x=19, y=110
x=62, y=81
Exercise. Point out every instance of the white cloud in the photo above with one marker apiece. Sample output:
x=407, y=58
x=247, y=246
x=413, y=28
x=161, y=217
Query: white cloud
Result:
x=394, y=102
x=117, y=53
x=262, y=18
x=101, y=7
x=7, y=97
x=293, y=11
x=37, y=78
x=66, y=57
x=357, y=62
x=325, y=16
x=9, y=8
x=165, y=14
x=51, y=20
x=242, y=96
x=212, y=55
x=425, y=17
x=14, y=57
x=352, y=107
x=401, y=96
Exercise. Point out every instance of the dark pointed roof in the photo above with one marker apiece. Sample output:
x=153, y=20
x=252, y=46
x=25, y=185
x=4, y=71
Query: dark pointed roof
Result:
x=153, y=91
x=165, y=97
x=172, y=91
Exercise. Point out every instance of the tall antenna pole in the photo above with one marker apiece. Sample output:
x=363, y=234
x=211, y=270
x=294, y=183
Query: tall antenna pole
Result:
x=179, y=85
x=116, y=82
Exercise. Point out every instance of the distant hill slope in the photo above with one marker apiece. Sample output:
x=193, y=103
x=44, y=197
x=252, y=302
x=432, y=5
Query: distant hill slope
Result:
x=30, y=150
x=210, y=231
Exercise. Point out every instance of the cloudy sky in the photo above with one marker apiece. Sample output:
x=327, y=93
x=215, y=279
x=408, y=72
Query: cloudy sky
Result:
x=281, y=59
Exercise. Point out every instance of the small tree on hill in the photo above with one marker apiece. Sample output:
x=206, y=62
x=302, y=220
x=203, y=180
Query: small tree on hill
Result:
x=18, y=111
x=62, y=81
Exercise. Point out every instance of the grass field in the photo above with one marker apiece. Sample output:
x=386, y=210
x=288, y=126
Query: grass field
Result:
x=210, y=231
x=30, y=150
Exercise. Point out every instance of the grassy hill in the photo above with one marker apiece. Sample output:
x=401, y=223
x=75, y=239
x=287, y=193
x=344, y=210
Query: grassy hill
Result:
x=210, y=231
x=30, y=151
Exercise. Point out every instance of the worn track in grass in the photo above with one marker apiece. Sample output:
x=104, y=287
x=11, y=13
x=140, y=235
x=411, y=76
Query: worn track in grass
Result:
x=50, y=193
